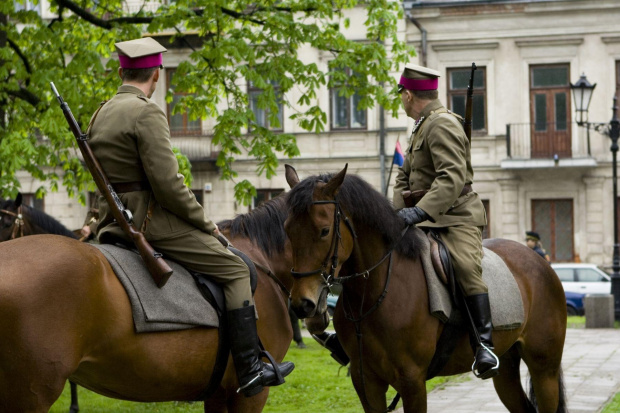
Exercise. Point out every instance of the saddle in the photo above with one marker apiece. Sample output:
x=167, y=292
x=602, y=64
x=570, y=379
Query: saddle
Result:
x=504, y=294
x=188, y=300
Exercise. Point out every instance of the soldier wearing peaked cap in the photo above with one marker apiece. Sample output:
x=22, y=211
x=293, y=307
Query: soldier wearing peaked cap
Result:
x=129, y=136
x=436, y=180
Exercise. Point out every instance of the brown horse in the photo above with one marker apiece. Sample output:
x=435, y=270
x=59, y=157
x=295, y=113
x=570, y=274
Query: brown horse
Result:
x=18, y=220
x=70, y=318
x=342, y=230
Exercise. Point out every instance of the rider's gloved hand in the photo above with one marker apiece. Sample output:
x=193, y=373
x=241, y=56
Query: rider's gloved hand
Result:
x=413, y=216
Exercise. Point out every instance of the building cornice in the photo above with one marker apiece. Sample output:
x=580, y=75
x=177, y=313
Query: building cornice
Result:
x=453, y=46
x=547, y=41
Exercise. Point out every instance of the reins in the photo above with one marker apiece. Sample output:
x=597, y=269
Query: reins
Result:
x=18, y=224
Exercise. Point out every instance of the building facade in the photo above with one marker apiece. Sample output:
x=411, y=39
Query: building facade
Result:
x=535, y=168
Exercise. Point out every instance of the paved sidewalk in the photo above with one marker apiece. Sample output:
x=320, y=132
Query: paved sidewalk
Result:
x=591, y=365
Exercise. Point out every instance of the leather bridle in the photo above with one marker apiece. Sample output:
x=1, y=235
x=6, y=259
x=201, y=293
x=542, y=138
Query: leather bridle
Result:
x=18, y=223
x=328, y=277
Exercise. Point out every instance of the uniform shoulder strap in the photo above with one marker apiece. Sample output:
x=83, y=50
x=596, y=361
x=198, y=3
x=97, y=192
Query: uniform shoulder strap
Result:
x=92, y=120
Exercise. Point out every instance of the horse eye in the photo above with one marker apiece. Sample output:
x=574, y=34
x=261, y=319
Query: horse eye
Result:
x=324, y=232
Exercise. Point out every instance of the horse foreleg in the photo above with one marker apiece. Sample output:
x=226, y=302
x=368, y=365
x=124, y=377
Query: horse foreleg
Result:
x=74, y=408
x=508, y=383
x=413, y=391
x=370, y=389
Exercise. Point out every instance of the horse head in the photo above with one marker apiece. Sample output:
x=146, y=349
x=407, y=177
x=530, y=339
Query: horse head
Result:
x=19, y=220
x=11, y=218
x=321, y=236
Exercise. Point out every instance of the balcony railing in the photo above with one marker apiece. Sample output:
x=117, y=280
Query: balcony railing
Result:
x=553, y=140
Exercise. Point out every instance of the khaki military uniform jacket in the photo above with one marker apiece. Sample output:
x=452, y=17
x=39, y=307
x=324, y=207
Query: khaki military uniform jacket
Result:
x=131, y=140
x=438, y=159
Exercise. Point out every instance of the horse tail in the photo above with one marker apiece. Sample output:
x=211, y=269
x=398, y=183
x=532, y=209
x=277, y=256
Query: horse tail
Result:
x=562, y=408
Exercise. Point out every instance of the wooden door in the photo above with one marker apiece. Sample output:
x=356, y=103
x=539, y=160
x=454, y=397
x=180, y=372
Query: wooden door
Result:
x=550, y=112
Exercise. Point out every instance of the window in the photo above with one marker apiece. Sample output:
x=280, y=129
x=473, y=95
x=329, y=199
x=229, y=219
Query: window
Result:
x=28, y=6
x=180, y=124
x=261, y=114
x=199, y=194
x=618, y=82
x=550, y=111
x=588, y=275
x=32, y=201
x=346, y=113
x=565, y=274
x=458, y=81
x=264, y=195
x=486, y=231
x=553, y=220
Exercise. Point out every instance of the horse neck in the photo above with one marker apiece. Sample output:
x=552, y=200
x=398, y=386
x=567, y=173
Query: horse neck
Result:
x=368, y=250
x=32, y=229
x=279, y=265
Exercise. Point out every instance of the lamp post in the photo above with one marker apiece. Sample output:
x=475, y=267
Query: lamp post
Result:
x=582, y=93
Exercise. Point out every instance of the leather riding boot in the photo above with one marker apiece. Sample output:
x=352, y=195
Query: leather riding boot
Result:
x=486, y=363
x=330, y=341
x=252, y=372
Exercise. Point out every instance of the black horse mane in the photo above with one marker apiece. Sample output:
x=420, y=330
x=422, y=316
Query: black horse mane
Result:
x=45, y=222
x=263, y=225
x=364, y=206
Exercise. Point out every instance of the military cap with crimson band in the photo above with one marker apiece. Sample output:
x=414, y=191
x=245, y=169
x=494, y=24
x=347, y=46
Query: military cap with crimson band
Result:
x=140, y=53
x=416, y=77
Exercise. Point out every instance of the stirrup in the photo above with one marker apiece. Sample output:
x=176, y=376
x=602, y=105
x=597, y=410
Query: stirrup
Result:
x=492, y=372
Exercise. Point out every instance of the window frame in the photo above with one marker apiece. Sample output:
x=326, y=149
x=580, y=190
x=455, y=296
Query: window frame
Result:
x=333, y=92
x=30, y=199
x=463, y=92
x=550, y=141
x=270, y=193
x=185, y=131
x=277, y=90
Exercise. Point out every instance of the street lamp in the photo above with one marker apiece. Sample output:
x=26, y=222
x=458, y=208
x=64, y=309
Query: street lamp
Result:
x=582, y=93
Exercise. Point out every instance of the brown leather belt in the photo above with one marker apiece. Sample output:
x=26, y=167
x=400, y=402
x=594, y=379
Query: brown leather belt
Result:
x=123, y=187
x=411, y=198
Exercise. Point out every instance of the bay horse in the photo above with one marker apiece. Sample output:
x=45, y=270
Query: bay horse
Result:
x=343, y=231
x=19, y=220
x=66, y=316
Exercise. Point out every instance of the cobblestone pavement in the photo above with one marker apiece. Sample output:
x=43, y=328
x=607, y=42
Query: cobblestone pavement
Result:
x=591, y=364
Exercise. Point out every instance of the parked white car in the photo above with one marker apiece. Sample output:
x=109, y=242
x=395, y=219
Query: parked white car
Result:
x=583, y=278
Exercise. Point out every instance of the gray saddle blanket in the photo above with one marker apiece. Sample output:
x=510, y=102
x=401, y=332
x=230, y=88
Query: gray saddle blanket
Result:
x=504, y=294
x=179, y=305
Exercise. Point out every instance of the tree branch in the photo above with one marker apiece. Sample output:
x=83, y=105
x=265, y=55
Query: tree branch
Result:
x=106, y=24
x=26, y=95
x=17, y=50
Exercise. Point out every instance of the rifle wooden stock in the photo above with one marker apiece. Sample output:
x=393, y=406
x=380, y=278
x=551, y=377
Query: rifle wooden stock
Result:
x=469, y=104
x=157, y=266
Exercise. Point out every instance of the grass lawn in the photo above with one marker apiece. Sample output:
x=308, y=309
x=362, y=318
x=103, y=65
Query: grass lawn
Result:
x=613, y=406
x=317, y=384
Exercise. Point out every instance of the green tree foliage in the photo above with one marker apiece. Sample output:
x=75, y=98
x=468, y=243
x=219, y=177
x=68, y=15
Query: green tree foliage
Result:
x=261, y=41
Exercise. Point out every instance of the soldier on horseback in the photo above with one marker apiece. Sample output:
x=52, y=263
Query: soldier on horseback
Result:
x=437, y=172
x=129, y=136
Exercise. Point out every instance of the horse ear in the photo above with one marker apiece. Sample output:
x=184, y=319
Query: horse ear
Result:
x=18, y=200
x=291, y=176
x=331, y=188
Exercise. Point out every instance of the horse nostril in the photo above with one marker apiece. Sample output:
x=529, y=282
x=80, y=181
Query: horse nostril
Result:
x=308, y=307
